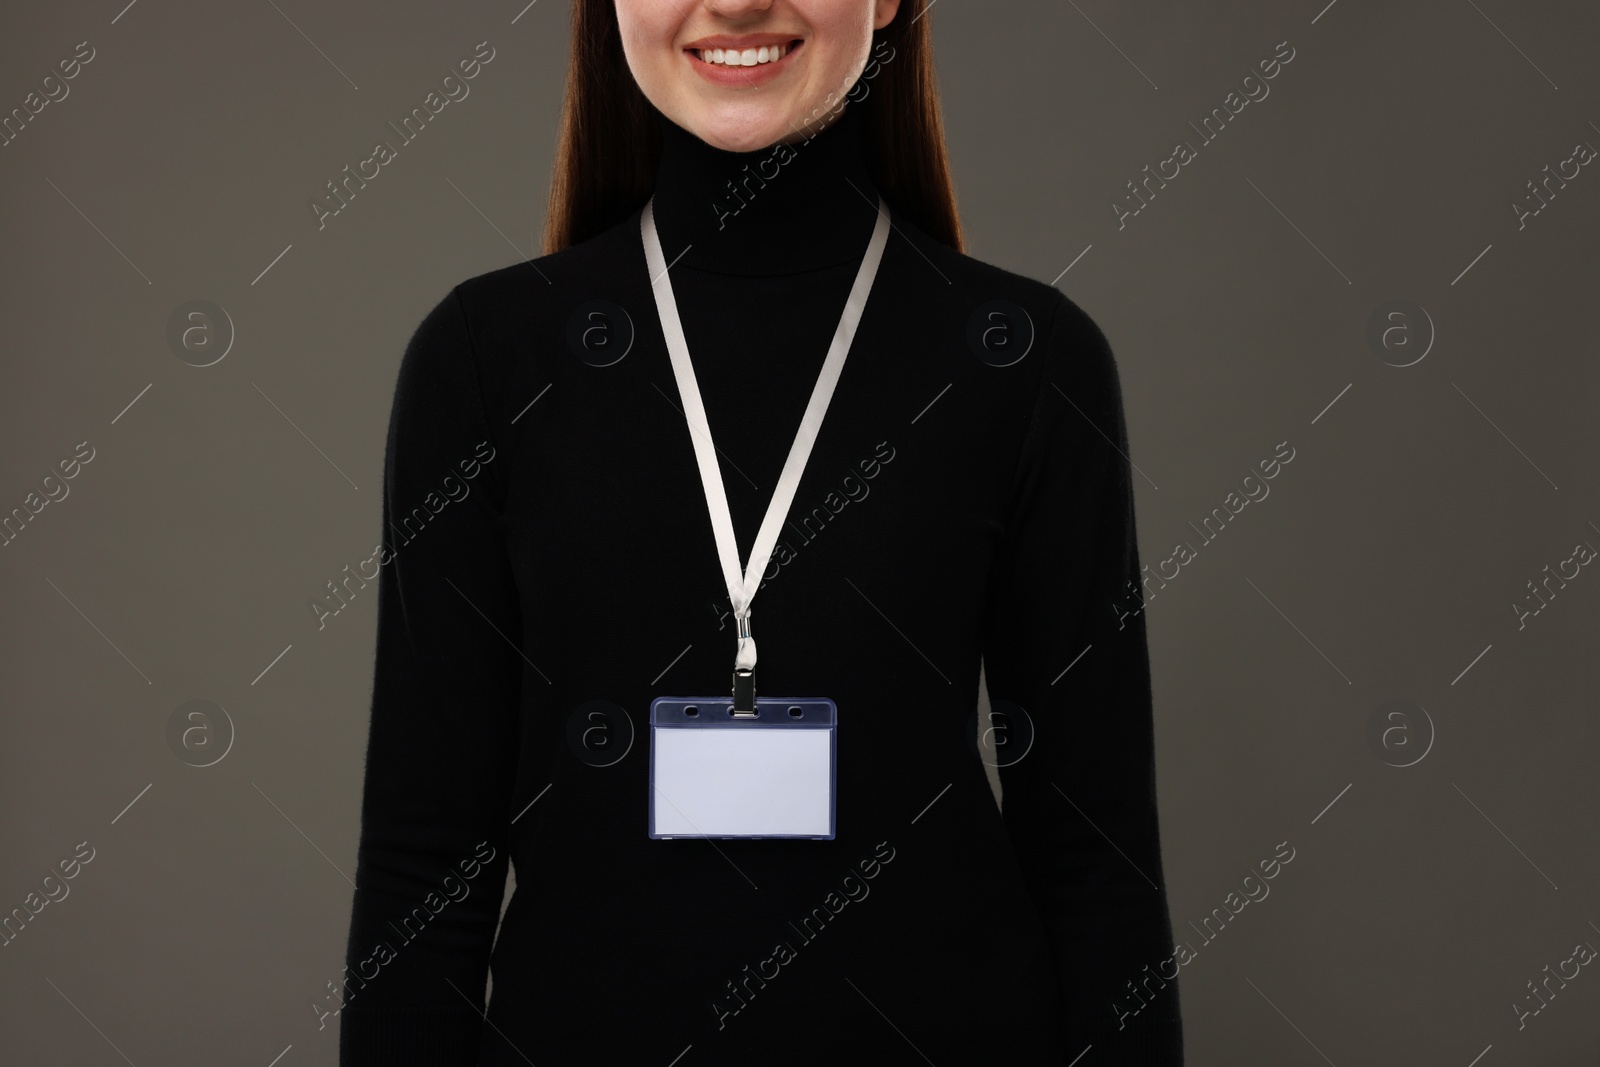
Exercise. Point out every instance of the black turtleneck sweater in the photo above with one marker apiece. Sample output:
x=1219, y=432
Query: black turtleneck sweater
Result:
x=548, y=568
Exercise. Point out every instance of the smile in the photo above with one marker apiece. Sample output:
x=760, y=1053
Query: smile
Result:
x=743, y=68
x=748, y=57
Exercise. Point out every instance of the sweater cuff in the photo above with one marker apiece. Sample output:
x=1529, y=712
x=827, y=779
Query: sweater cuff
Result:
x=410, y=1037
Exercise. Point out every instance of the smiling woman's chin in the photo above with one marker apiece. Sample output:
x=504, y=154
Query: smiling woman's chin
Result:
x=740, y=128
x=738, y=122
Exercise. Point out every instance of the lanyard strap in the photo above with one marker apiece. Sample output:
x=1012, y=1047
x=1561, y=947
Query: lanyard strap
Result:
x=742, y=589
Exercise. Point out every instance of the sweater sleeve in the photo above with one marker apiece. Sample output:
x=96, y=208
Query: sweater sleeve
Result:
x=1065, y=641
x=442, y=742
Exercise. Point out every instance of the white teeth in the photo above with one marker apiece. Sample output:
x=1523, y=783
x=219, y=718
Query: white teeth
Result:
x=749, y=57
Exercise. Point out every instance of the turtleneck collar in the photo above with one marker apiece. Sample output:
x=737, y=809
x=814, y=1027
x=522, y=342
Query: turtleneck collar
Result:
x=782, y=209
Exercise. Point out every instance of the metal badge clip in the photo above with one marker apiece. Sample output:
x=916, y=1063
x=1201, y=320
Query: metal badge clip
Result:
x=744, y=680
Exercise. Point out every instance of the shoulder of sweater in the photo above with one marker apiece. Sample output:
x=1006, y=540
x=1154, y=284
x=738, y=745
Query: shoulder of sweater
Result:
x=580, y=270
x=1057, y=319
x=1076, y=354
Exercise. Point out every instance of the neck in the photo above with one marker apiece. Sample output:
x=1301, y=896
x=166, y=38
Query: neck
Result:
x=782, y=209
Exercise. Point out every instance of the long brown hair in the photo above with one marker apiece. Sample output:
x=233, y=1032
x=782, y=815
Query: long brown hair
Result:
x=609, y=145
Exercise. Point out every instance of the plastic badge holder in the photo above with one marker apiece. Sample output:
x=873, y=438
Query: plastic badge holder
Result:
x=715, y=775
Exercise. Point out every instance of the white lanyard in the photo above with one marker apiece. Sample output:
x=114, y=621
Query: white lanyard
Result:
x=741, y=591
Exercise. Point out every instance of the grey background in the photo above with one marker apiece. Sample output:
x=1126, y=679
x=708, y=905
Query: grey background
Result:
x=1382, y=165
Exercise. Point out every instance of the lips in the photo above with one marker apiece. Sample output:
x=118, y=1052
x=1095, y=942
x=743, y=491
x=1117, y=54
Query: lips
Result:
x=742, y=40
x=739, y=75
x=751, y=56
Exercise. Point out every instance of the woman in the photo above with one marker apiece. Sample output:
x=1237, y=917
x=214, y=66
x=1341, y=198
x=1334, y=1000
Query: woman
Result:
x=553, y=564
